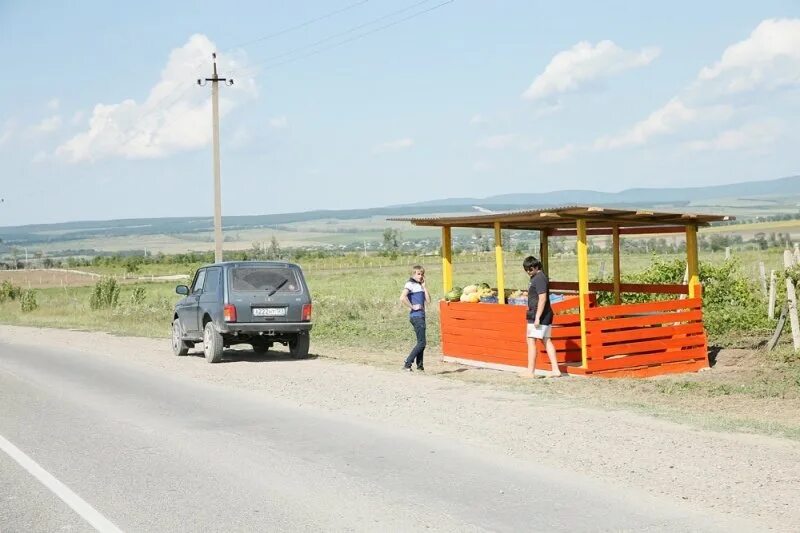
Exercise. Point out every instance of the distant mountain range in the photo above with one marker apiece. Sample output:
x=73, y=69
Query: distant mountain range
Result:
x=747, y=198
x=646, y=196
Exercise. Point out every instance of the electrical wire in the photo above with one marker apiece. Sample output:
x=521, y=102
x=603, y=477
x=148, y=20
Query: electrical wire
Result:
x=340, y=34
x=163, y=101
x=298, y=26
x=359, y=36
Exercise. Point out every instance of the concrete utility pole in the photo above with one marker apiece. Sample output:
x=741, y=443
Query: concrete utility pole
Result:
x=215, y=134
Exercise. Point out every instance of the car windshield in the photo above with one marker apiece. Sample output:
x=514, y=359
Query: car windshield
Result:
x=273, y=279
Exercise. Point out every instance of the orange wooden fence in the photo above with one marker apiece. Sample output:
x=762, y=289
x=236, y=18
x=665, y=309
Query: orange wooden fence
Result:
x=646, y=339
x=494, y=335
x=621, y=340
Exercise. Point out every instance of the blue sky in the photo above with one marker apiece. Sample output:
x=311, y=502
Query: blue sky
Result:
x=100, y=115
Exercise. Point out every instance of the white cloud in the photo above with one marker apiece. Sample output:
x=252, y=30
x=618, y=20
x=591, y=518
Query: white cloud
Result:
x=7, y=132
x=77, y=118
x=478, y=120
x=672, y=116
x=240, y=138
x=754, y=136
x=769, y=58
x=497, y=142
x=278, y=122
x=395, y=146
x=507, y=141
x=584, y=63
x=48, y=125
x=176, y=116
x=556, y=155
x=53, y=104
x=482, y=166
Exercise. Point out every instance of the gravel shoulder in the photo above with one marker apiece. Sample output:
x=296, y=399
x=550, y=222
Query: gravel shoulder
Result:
x=751, y=476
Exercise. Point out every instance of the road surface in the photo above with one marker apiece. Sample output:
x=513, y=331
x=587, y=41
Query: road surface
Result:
x=139, y=449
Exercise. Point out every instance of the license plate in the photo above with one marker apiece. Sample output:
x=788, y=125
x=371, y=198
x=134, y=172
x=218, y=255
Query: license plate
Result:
x=269, y=311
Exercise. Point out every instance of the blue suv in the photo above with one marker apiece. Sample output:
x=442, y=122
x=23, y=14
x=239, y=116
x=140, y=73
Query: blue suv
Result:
x=243, y=302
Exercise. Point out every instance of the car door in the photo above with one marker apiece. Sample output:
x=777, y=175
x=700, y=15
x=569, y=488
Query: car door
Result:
x=191, y=319
x=210, y=299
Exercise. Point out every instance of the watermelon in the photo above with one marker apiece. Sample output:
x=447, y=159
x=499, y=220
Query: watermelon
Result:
x=454, y=295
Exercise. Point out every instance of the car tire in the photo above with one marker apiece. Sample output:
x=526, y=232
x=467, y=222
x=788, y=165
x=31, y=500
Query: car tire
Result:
x=179, y=346
x=212, y=343
x=298, y=346
x=261, y=348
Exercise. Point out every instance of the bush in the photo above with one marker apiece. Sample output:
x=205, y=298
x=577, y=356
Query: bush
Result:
x=9, y=291
x=732, y=301
x=105, y=294
x=28, y=301
x=138, y=296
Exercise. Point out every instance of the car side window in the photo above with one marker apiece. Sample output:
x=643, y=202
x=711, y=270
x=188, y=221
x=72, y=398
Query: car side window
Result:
x=212, y=280
x=197, y=286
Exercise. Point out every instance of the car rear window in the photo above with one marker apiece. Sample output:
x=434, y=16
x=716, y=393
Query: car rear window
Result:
x=264, y=279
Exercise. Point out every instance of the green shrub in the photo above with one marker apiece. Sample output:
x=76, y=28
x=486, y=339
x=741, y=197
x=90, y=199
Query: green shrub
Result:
x=105, y=294
x=138, y=296
x=732, y=301
x=9, y=291
x=28, y=301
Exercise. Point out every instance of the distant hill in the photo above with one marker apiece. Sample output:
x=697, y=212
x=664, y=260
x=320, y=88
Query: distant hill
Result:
x=746, y=200
x=645, y=196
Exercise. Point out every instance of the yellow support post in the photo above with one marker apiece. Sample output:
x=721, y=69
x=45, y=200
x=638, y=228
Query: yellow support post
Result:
x=498, y=258
x=691, y=260
x=447, y=260
x=583, y=284
x=615, y=246
x=543, y=252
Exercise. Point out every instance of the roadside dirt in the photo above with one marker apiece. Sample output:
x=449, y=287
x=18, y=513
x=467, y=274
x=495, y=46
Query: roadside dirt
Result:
x=545, y=421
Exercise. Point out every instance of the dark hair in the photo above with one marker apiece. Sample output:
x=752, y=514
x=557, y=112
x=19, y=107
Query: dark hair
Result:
x=530, y=263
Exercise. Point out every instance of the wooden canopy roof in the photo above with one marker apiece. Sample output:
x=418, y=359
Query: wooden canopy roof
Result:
x=565, y=217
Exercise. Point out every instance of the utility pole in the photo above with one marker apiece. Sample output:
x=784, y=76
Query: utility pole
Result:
x=215, y=141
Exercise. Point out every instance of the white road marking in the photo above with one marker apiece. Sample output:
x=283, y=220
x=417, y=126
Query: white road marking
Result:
x=78, y=504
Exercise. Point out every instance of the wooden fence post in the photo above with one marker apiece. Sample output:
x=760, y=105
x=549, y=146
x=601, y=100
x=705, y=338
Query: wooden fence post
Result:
x=791, y=296
x=727, y=252
x=772, y=295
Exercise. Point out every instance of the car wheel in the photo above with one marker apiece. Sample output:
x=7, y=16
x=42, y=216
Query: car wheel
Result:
x=298, y=346
x=212, y=343
x=179, y=346
x=261, y=348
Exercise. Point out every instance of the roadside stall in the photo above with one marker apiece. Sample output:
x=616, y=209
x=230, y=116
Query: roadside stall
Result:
x=643, y=339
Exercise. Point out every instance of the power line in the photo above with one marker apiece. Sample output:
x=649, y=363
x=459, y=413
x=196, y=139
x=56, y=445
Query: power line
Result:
x=335, y=35
x=299, y=26
x=354, y=38
x=163, y=102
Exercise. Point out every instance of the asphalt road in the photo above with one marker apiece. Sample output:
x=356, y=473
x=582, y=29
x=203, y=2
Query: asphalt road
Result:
x=152, y=452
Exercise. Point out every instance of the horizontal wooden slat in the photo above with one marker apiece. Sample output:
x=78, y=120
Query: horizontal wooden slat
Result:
x=461, y=327
x=657, y=370
x=648, y=360
x=647, y=346
x=572, y=356
x=649, y=307
x=597, y=326
x=481, y=353
x=655, y=332
x=515, y=331
x=508, y=329
x=645, y=288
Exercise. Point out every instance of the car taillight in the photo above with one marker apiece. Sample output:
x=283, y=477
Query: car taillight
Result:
x=306, y=312
x=229, y=311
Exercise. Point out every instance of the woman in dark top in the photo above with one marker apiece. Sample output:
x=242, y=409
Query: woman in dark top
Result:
x=540, y=315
